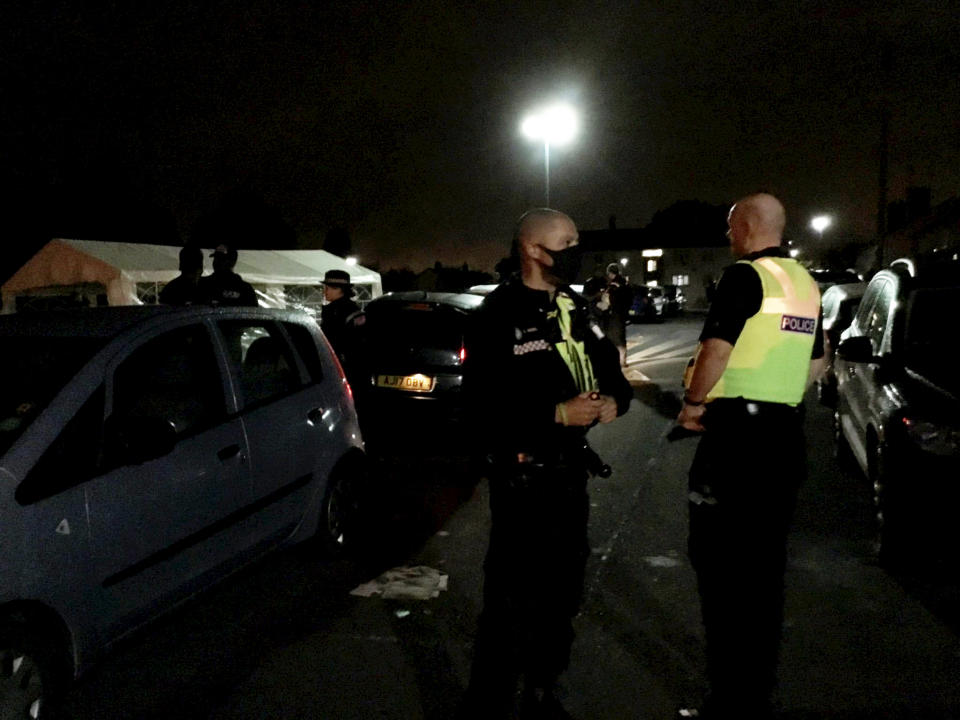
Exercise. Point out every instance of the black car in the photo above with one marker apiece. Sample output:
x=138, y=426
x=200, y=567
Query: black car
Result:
x=898, y=409
x=414, y=353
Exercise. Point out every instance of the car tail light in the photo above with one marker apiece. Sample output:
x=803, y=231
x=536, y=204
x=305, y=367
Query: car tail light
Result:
x=340, y=372
x=463, y=354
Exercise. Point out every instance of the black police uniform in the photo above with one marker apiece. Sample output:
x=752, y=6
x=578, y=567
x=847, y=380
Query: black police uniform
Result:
x=336, y=318
x=179, y=291
x=226, y=288
x=534, y=570
x=744, y=479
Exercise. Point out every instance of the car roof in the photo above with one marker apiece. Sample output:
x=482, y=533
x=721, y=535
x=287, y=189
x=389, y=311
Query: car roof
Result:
x=925, y=273
x=461, y=301
x=847, y=291
x=107, y=322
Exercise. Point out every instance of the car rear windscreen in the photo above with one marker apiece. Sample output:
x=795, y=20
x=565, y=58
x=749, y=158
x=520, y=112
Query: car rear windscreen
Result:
x=420, y=326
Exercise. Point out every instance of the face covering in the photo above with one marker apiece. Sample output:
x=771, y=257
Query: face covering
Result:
x=566, y=264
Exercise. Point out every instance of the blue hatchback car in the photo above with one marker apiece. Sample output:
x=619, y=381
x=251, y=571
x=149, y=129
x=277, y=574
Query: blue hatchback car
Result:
x=146, y=452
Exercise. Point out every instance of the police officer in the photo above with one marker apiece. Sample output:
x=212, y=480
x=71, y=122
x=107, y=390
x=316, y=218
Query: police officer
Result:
x=183, y=289
x=538, y=374
x=760, y=348
x=224, y=286
x=339, y=313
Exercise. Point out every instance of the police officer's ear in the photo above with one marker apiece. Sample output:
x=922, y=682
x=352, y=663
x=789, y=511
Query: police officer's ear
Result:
x=532, y=250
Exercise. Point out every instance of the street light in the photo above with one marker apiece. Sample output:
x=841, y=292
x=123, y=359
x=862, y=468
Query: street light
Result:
x=821, y=223
x=552, y=125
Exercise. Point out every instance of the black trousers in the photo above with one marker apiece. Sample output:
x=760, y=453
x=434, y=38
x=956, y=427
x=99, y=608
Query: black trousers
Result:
x=533, y=579
x=743, y=481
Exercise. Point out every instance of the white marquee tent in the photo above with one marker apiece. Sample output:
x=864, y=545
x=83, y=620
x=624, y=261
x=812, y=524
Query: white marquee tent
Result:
x=91, y=272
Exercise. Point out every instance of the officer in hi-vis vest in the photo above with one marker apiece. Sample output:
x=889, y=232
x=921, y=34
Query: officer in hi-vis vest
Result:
x=761, y=347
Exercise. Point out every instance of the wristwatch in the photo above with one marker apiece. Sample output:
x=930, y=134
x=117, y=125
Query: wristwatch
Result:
x=694, y=403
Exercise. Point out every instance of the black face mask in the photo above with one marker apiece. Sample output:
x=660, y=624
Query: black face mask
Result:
x=566, y=264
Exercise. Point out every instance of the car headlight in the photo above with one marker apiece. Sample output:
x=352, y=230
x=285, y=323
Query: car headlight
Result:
x=932, y=437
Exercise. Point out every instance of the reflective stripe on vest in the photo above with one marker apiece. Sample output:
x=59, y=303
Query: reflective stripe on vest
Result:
x=573, y=352
x=771, y=359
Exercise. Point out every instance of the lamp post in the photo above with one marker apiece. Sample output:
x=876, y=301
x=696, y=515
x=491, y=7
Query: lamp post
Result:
x=552, y=125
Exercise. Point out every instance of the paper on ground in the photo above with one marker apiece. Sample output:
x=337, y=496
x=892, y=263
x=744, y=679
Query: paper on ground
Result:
x=405, y=583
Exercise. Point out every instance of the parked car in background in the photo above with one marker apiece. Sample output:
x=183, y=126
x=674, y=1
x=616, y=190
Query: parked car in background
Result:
x=648, y=304
x=840, y=303
x=898, y=403
x=146, y=452
x=415, y=350
x=674, y=300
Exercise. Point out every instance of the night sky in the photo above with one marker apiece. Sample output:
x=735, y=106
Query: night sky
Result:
x=400, y=121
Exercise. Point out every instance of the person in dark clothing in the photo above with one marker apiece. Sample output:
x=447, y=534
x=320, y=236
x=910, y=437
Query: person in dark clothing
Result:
x=538, y=374
x=618, y=299
x=224, y=286
x=761, y=347
x=340, y=315
x=182, y=290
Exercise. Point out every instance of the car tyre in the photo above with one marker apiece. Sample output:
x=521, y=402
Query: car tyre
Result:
x=33, y=671
x=341, y=528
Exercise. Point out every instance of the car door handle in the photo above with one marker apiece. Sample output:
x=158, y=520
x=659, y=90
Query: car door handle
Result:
x=315, y=416
x=228, y=452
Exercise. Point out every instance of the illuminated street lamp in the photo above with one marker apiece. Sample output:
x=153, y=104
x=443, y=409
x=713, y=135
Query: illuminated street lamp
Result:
x=553, y=125
x=821, y=223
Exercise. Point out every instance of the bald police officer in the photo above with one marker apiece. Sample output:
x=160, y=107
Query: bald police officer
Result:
x=760, y=348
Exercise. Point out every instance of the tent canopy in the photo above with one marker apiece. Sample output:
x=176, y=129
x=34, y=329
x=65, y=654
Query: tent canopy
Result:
x=120, y=267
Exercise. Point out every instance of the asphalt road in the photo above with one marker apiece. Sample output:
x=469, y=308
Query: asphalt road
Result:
x=286, y=639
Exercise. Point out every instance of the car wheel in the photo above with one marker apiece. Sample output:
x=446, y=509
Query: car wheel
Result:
x=31, y=675
x=340, y=530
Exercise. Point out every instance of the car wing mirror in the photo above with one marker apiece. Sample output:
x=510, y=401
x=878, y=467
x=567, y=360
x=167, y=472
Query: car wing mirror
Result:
x=857, y=349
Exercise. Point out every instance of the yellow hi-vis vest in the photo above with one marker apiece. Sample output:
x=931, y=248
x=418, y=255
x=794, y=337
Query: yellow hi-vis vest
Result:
x=770, y=361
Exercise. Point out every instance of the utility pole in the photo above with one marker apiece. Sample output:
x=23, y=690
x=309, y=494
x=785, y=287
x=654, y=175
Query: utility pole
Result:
x=886, y=62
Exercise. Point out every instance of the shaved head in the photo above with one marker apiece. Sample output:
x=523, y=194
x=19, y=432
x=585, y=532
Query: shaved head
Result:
x=756, y=222
x=533, y=223
x=538, y=233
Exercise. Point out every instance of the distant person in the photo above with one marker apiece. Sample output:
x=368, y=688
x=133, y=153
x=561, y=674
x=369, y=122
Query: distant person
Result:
x=224, y=286
x=536, y=379
x=619, y=298
x=343, y=323
x=183, y=289
x=340, y=315
x=760, y=349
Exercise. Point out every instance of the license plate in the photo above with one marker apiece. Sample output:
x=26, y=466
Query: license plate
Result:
x=410, y=383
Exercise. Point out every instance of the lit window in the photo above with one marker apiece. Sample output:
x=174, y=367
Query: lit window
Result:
x=651, y=265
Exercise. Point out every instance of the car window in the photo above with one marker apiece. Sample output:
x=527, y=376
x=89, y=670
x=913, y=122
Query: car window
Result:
x=862, y=318
x=35, y=369
x=417, y=325
x=173, y=379
x=306, y=348
x=879, y=314
x=263, y=358
x=72, y=458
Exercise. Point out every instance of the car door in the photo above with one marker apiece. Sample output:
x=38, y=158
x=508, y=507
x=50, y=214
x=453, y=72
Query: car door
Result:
x=175, y=472
x=286, y=417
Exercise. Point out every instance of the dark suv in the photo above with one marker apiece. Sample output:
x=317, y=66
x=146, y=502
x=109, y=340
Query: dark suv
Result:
x=898, y=411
